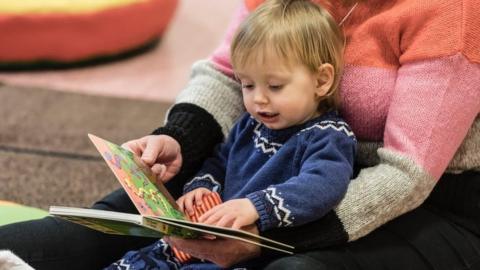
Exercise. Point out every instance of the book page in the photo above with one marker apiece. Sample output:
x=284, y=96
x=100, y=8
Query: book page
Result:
x=137, y=180
x=107, y=221
x=224, y=231
x=179, y=228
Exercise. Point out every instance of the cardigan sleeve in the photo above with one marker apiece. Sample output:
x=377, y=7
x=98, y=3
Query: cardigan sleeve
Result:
x=408, y=168
x=422, y=133
x=197, y=132
x=435, y=103
x=206, y=109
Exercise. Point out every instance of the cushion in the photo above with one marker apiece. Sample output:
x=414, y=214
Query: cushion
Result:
x=59, y=32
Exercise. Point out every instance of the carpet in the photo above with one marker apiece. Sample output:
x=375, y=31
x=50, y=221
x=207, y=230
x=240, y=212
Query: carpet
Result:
x=46, y=157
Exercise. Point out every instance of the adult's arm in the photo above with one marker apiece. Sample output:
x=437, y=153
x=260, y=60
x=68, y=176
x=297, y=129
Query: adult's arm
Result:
x=205, y=110
x=422, y=134
x=434, y=108
x=200, y=118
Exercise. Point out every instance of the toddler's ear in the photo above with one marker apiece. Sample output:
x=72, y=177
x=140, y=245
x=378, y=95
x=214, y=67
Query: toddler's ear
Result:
x=325, y=77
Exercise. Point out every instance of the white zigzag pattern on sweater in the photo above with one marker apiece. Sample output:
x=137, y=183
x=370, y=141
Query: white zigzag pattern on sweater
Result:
x=280, y=209
x=263, y=144
x=336, y=125
x=208, y=177
x=122, y=266
x=168, y=256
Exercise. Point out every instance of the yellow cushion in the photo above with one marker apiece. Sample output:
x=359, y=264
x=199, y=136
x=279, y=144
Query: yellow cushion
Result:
x=64, y=6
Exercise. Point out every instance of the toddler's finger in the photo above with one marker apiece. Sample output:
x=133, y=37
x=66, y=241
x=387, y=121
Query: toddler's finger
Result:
x=180, y=203
x=199, y=198
x=189, y=204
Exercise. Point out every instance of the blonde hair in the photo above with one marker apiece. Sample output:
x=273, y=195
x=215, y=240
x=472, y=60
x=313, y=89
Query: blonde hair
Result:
x=297, y=31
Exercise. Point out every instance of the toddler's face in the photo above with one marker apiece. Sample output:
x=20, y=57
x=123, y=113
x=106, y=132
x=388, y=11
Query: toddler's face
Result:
x=277, y=94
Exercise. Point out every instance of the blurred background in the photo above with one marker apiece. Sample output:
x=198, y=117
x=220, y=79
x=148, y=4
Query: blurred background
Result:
x=46, y=110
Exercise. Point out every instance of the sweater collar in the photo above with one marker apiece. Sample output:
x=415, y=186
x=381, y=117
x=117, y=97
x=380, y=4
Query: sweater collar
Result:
x=282, y=135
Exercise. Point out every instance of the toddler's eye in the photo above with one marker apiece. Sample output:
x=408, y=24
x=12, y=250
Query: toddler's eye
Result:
x=248, y=86
x=276, y=87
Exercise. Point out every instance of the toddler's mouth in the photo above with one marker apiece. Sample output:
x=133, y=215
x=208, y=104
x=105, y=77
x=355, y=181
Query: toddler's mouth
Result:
x=267, y=115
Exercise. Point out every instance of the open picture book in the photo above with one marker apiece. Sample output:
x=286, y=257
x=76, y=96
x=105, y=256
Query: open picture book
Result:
x=159, y=213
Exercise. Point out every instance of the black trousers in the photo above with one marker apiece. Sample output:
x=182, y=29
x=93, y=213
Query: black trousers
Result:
x=443, y=233
x=418, y=240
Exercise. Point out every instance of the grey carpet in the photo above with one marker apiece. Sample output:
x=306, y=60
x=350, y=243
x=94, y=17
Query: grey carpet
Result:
x=46, y=157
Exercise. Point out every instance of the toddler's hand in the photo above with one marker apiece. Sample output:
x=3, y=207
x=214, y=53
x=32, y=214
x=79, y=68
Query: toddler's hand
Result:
x=234, y=214
x=191, y=199
x=160, y=152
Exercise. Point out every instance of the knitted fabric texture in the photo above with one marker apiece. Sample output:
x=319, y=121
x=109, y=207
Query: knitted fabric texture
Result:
x=292, y=176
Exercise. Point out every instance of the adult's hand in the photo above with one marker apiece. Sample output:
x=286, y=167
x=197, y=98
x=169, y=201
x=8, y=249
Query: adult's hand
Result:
x=221, y=251
x=161, y=153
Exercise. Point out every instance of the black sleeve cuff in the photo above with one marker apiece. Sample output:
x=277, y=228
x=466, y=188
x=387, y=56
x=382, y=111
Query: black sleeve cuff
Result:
x=197, y=133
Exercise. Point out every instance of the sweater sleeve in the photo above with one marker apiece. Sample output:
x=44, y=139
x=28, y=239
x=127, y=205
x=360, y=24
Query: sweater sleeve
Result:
x=212, y=173
x=421, y=137
x=221, y=56
x=435, y=103
x=205, y=110
x=326, y=169
x=212, y=85
x=197, y=133
x=422, y=133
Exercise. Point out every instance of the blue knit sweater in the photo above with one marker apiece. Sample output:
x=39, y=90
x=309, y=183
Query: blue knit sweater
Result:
x=292, y=176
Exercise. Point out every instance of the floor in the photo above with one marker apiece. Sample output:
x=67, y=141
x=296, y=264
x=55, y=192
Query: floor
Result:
x=157, y=75
x=46, y=157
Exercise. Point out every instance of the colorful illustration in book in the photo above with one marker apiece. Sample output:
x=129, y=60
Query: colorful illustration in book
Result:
x=137, y=180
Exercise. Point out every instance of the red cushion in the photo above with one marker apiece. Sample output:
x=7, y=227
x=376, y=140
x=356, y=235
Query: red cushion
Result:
x=74, y=36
